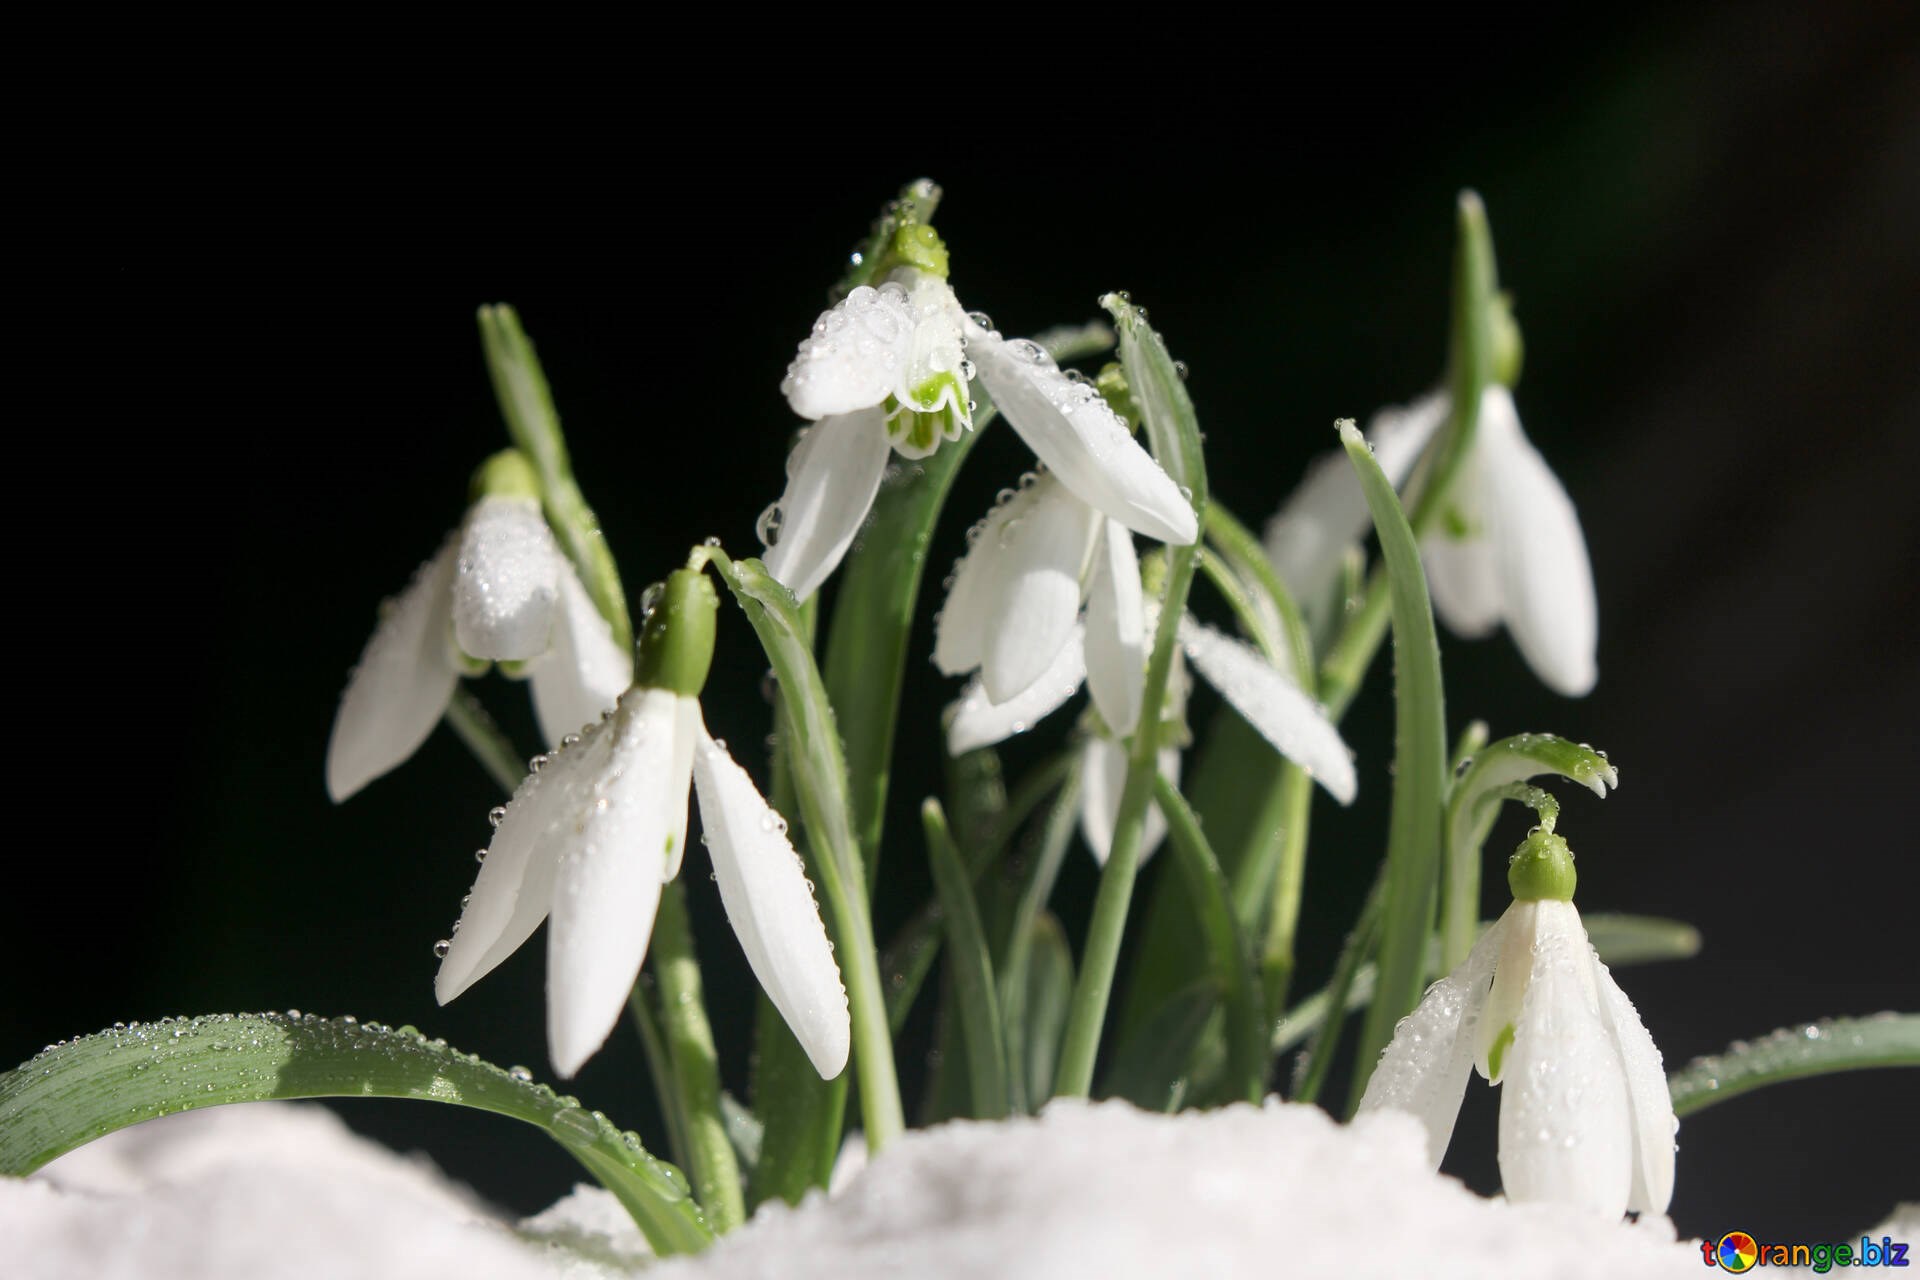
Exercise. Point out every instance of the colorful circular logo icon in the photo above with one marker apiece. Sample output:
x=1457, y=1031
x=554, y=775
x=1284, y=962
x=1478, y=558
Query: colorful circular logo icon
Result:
x=1737, y=1252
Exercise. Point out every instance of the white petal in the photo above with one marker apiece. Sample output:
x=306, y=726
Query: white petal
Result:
x=1016, y=593
x=936, y=352
x=1546, y=580
x=507, y=581
x=1461, y=573
x=855, y=355
x=1071, y=429
x=1513, y=970
x=1116, y=631
x=1648, y=1102
x=615, y=829
x=770, y=903
x=832, y=476
x=1564, y=1131
x=978, y=721
x=1425, y=1067
x=1273, y=704
x=584, y=673
x=514, y=889
x=1103, y=777
x=400, y=689
x=1327, y=513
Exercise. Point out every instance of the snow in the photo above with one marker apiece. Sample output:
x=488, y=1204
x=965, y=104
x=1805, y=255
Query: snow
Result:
x=285, y=1192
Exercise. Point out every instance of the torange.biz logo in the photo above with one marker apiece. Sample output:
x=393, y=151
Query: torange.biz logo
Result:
x=1737, y=1251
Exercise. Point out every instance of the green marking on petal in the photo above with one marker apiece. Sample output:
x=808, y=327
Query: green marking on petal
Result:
x=1501, y=1043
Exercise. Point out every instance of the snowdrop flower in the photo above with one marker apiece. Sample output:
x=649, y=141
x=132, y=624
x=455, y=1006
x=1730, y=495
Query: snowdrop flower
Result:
x=590, y=836
x=1511, y=553
x=1585, y=1117
x=1014, y=614
x=889, y=369
x=499, y=590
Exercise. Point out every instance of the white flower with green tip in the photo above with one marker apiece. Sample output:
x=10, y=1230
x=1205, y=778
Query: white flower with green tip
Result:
x=888, y=369
x=1013, y=615
x=589, y=838
x=1511, y=551
x=1585, y=1117
x=500, y=590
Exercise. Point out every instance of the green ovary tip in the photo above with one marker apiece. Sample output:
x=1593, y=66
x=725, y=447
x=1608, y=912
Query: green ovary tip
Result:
x=1542, y=869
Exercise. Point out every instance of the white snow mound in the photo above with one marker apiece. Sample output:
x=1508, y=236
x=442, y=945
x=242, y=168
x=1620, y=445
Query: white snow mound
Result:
x=286, y=1192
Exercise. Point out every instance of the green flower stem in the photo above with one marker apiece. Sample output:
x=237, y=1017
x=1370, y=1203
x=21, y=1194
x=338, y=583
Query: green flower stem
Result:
x=1227, y=947
x=1292, y=806
x=696, y=1064
x=1345, y=991
x=1173, y=429
x=1025, y=1055
x=1249, y=559
x=1794, y=1053
x=1261, y=630
x=1094, y=985
x=971, y=967
x=820, y=779
x=467, y=716
x=80, y=1090
x=1474, y=803
x=526, y=402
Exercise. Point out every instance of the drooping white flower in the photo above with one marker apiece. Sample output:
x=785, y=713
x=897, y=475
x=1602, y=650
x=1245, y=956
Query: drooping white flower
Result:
x=500, y=589
x=1585, y=1117
x=1511, y=551
x=889, y=369
x=587, y=841
x=1013, y=614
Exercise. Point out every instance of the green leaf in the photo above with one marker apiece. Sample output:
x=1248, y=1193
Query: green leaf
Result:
x=909, y=955
x=1038, y=1018
x=1147, y=1069
x=1228, y=958
x=1794, y=1053
x=1629, y=940
x=526, y=402
x=812, y=745
x=83, y=1089
x=1419, y=764
x=1473, y=804
x=971, y=966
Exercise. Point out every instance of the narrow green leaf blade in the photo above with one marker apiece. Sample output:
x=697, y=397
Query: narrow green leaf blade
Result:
x=1043, y=1015
x=971, y=965
x=1420, y=765
x=1794, y=1053
x=1147, y=1069
x=86, y=1088
x=1228, y=958
x=812, y=751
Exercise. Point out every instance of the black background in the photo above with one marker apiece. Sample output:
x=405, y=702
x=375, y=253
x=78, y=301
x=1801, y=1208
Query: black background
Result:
x=250, y=393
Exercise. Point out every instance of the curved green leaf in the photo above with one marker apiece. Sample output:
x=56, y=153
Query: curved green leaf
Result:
x=1793, y=1053
x=1419, y=765
x=82, y=1089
